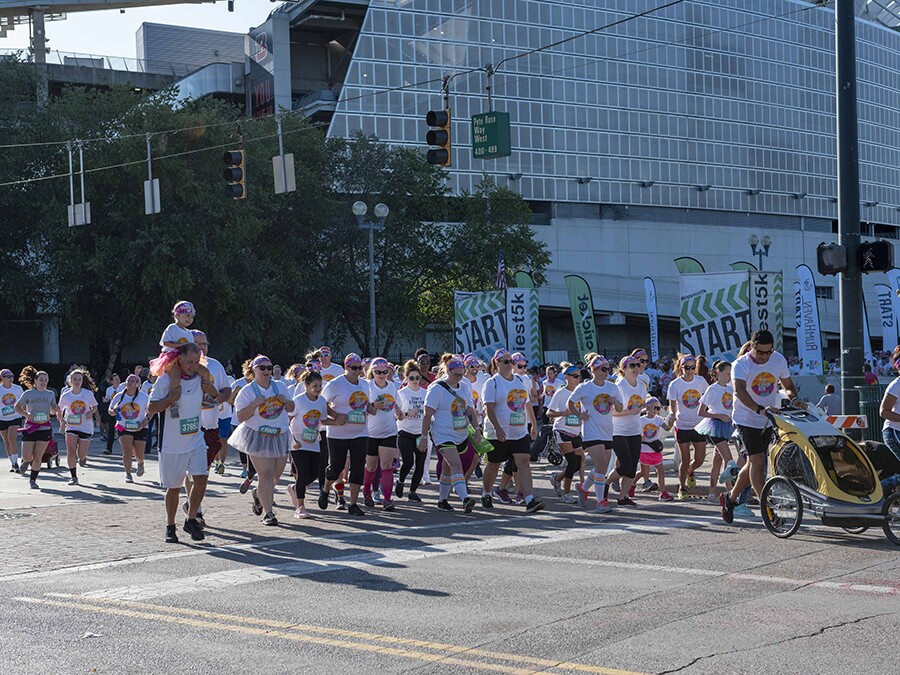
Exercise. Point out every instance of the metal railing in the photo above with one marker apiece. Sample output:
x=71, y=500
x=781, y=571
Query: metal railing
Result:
x=102, y=62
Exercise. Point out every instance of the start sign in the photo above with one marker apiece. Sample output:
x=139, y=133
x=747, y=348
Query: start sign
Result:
x=490, y=135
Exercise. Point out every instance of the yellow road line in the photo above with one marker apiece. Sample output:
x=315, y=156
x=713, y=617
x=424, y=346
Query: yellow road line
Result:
x=160, y=612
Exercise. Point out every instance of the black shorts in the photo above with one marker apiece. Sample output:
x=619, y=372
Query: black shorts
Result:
x=689, y=436
x=82, y=435
x=563, y=437
x=755, y=441
x=375, y=443
x=506, y=449
x=715, y=440
x=38, y=436
x=590, y=444
x=10, y=423
x=138, y=434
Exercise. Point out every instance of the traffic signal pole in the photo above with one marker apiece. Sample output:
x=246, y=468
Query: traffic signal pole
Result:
x=851, y=296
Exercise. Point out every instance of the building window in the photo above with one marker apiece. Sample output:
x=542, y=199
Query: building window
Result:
x=825, y=292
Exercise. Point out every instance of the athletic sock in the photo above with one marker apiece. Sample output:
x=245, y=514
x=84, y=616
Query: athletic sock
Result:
x=74, y=472
x=14, y=459
x=387, y=484
x=444, y=490
x=34, y=474
x=368, y=478
x=588, y=482
x=339, y=489
x=459, y=486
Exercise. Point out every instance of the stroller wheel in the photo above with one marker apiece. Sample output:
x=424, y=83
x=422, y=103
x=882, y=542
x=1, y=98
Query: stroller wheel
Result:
x=854, y=530
x=891, y=513
x=555, y=458
x=782, y=507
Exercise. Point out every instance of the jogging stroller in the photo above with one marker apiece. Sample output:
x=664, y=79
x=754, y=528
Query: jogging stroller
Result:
x=816, y=468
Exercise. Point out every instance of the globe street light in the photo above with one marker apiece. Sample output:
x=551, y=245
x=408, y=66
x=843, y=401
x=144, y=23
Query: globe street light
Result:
x=761, y=251
x=360, y=209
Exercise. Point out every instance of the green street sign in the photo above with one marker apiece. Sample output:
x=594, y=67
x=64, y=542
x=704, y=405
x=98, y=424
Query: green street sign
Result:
x=490, y=135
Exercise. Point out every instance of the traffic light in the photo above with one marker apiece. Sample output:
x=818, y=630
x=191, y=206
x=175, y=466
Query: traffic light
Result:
x=876, y=256
x=234, y=173
x=439, y=136
x=831, y=258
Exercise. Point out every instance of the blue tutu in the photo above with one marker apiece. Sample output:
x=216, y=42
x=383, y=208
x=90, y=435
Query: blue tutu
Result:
x=715, y=428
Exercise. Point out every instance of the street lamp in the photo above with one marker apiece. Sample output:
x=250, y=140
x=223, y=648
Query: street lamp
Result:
x=360, y=209
x=761, y=251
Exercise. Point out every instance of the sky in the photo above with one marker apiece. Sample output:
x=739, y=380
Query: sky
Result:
x=113, y=34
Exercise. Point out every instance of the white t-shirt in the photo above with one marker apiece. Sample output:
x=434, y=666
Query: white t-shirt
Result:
x=209, y=418
x=76, y=410
x=8, y=398
x=550, y=388
x=225, y=410
x=632, y=399
x=306, y=421
x=511, y=398
x=180, y=434
x=568, y=424
x=237, y=385
x=650, y=428
x=413, y=402
x=762, y=385
x=111, y=391
x=383, y=423
x=719, y=399
x=331, y=372
x=146, y=387
x=687, y=395
x=350, y=400
x=132, y=411
x=175, y=333
x=598, y=402
x=449, y=423
x=270, y=417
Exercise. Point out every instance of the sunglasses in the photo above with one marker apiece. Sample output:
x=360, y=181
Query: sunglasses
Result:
x=505, y=362
x=634, y=365
x=413, y=379
x=380, y=372
x=656, y=407
x=760, y=352
x=604, y=369
x=354, y=368
x=264, y=368
x=520, y=365
x=690, y=367
x=5, y=376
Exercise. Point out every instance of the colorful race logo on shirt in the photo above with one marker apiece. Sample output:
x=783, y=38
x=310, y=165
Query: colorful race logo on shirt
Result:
x=691, y=399
x=650, y=431
x=457, y=408
x=763, y=384
x=182, y=340
x=635, y=402
x=388, y=401
x=603, y=403
x=328, y=377
x=271, y=408
x=77, y=407
x=130, y=411
x=549, y=390
x=311, y=419
x=8, y=399
x=516, y=400
x=358, y=400
x=727, y=400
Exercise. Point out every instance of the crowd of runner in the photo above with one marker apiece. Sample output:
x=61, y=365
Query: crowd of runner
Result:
x=364, y=433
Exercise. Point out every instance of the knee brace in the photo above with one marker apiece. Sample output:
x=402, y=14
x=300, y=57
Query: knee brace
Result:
x=573, y=463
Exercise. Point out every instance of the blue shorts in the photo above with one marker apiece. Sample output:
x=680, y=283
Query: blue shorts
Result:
x=225, y=428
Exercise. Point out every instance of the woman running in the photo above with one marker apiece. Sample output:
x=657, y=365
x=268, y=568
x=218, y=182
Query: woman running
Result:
x=627, y=428
x=715, y=411
x=410, y=408
x=36, y=405
x=593, y=402
x=129, y=407
x=77, y=410
x=381, y=450
x=684, y=396
x=262, y=410
x=448, y=413
x=567, y=431
x=10, y=419
x=310, y=413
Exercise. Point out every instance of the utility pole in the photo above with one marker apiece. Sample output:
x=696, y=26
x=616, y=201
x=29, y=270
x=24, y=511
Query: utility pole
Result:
x=851, y=297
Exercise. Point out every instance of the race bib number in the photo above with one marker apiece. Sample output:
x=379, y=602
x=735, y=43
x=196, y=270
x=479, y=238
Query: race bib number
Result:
x=41, y=417
x=309, y=435
x=356, y=417
x=517, y=419
x=573, y=421
x=269, y=431
x=191, y=425
x=73, y=419
x=460, y=422
x=7, y=410
x=132, y=425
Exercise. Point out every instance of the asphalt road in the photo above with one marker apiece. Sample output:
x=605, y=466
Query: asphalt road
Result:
x=88, y=586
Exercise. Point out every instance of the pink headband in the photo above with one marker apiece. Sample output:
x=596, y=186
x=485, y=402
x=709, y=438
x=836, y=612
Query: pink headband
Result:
x=379, y=361
x=471, y=360
x=628, y=360
x=352, y=359
x=518, y=357
x=686, y=358
x=455, y=363
x=183, y=307
x=597, y=362
x=639, y=353
x=259, y=359
x=198, y=333
x=6, y=372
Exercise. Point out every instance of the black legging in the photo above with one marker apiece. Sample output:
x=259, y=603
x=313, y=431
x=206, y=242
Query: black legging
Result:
x=306, y=465
x=573, y=463
x=323, y=458
x=406, y=442
x=338, y=449
x=628, y=452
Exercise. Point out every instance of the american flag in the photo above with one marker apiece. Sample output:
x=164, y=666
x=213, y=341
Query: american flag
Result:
x=501, y=271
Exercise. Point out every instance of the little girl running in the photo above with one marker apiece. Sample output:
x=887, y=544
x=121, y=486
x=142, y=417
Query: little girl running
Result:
x=175, y=335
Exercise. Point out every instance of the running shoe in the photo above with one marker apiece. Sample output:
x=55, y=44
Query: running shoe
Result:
x=727, y=508
x=342, y=504
x=301, y=512
x=140, y=469
x=192, y=527
x=24, y=468
x=257, y=505
x=355, y=510
x=478, y=472
x=292, y=495
x=744, y=511
x=649, y=486
x=520, y=498
x=665, y=496
x=683, y=494
x=468, y=504
x=730, y=472
x=376, y=496
x=567, y=498
x=245, y=485
x=14, y=468
x=614, y=485
x=427, y=480
x=269, y=519
x=582, y=494
x=323, y=500
x=83, y=462
x=626, y=501
x=171, y=536
x=33, y=485
x=398, y=489
x=105, y=452
x=220, y=468
x=444, y=505
x=534, y=505
x=502, y=496
x=128, y=478
x=388, y=505
x=487, y=502
x=753, y=501
x=713, y=498
x=73, y=480
x=557, y=486
x=200, y=520
x=243, y=473
x=603, y=507
x=413, y=497
x=691, y=481
x=368, y=501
